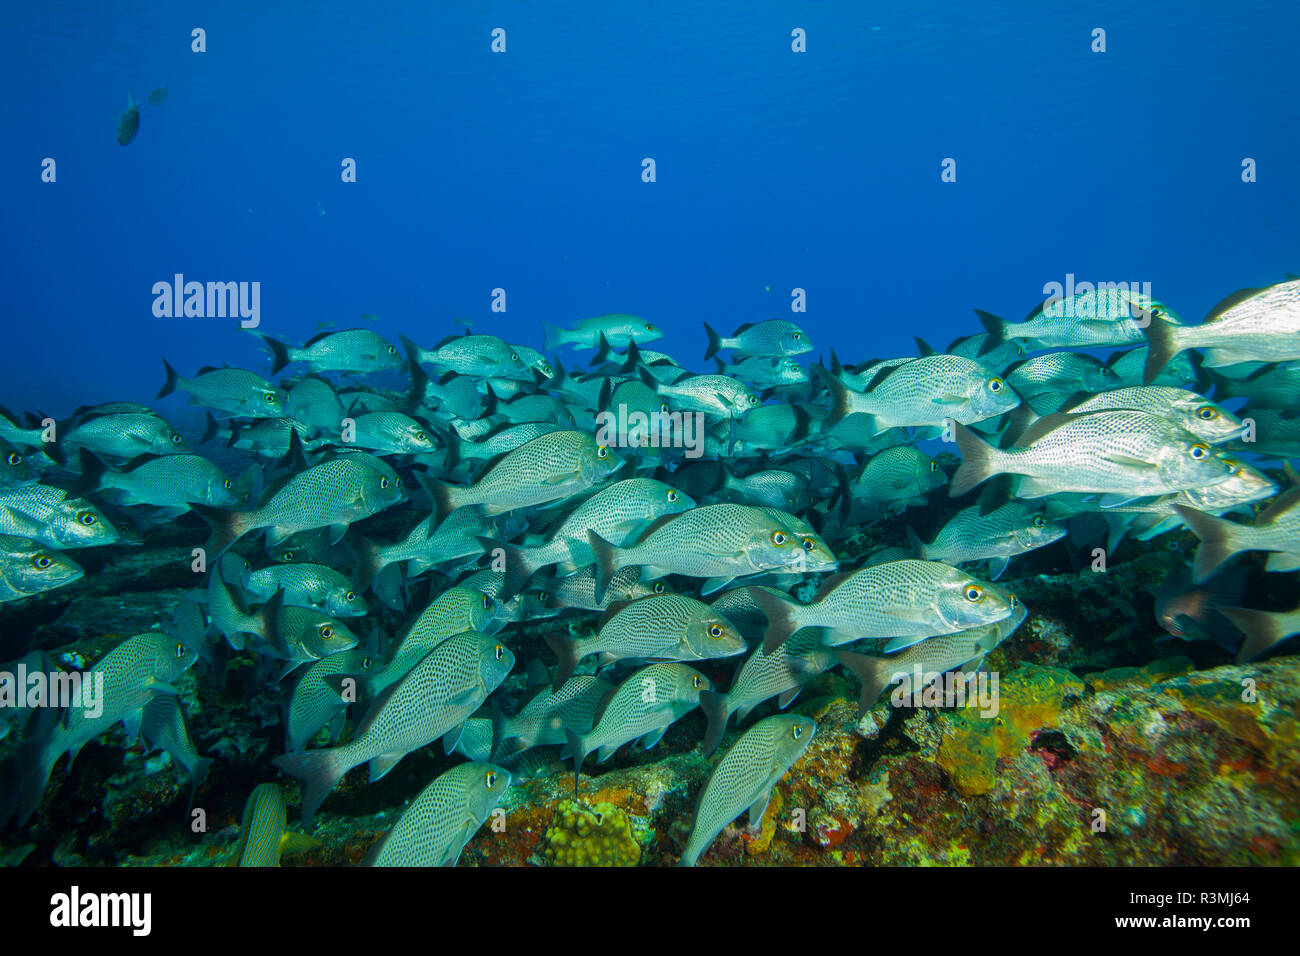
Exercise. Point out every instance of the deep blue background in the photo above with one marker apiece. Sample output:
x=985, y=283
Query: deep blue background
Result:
x=818, y=170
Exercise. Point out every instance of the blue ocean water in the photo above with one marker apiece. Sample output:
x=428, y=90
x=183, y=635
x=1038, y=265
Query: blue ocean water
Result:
x=522, y=170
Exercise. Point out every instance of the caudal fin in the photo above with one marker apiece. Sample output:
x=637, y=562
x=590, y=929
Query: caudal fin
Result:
x=566, y=649
x=444, y=499
x=715, y=342
x=977, y=462
x=553, y=336
x=718, y=713
x=369, y=561
x=782, y=618
x=227, y=527
x=874, y=672
x=317, y=772
x=519, y=567
x=1263, y=629
x=1161, y=348
x=1216, y=536
x=607, y=561
x=279, y=351
x=169, y=386
x=995, y=326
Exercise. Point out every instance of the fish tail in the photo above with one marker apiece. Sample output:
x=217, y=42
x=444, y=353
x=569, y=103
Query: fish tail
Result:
x=718, y=713
x=279, y=351
x=444, y=498
x=198, y=773
x=977, y=461
x=169, y=386
x=209, y=430
x=1262, y=629
x=874, y=672
x=269, y=623
x=553, y=335
x=782, y=618
x=1161, y=348
x=227, y=527
x=916, y=544
x=841, y=400
x=31, y=766
x=317, y=773
x=519, y=567
x=566, y=649
x=1216, y=536
x=715, y=342
x=578, y=750
x=608, y=559
x=995, y=326
x=93, y=470
x=369, y=560
x=412, y=357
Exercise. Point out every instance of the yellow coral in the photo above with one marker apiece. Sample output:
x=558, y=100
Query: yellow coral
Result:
x=598, y=835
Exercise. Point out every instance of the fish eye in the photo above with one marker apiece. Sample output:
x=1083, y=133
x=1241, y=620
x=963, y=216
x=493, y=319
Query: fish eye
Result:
x=995, y=385
x=41, y=562
x=934, y=466
x=419, y=436
x=326, y=632
x=487, y=602
x=490, y=780
x=672, y=495
x=514, y=357
x=500, y=653
x=796, y=732
x=287, y=556
x=13, y=458
x=383, y=481
x=269, y=398
x=87, y=518
x=659, y=587
x=1200, y=452
x=392, y=350
x=796, y=336
x=180, y=651
x=602, y=452
x=228, y=484
x=649, y=327
x=1040, y=521
x=1013, y=600
x=696, y=681
x=974, y=593
x=398, y=481
x=366, y=663
x=753, y=399
x=176, y=439
x=1207, y=413
x=350, y=596
x=1233, y=467
x=715, y=631
x=778, y=538
x=1157, y=312
x=542, y=596
x=809, y=544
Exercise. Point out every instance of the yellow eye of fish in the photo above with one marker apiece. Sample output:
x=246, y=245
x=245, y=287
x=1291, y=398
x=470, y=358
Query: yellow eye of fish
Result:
x=753, y=399
x=287, y=556
x=714, y=631
x=13, y=458
x=663, y=407
x=672, y=495
x=86, y=518
x=176, y=439
x=796, y=336
x=649, y=327
x=326, y=631
x=809, y=544
x=514, y=357
x=1040, y=521
x=392, y=350
x=1013, y=600
x=486, y=601
x=796, y=732
x=659, y=588
x=695, y=682
x=974, y=593
x=602, y=452
x=350, y=596
x=934, y=466
x=419, y=436
x=269, y=398
x=995, y=384
x=228, y=484
x=41, y=561
x=1207, y=413
x=383, y=482
x=490, y=780
x=365, y=663
x=180, y=651
x=778, y=538
x=1200, y=452
x=500, y=652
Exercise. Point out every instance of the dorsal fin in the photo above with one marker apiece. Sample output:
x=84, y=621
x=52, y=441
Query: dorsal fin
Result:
x=1044, y=426
x=1228, y=301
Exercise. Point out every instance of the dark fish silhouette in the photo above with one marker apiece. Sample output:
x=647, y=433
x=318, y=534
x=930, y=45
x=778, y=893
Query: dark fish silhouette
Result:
x=129, y=124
